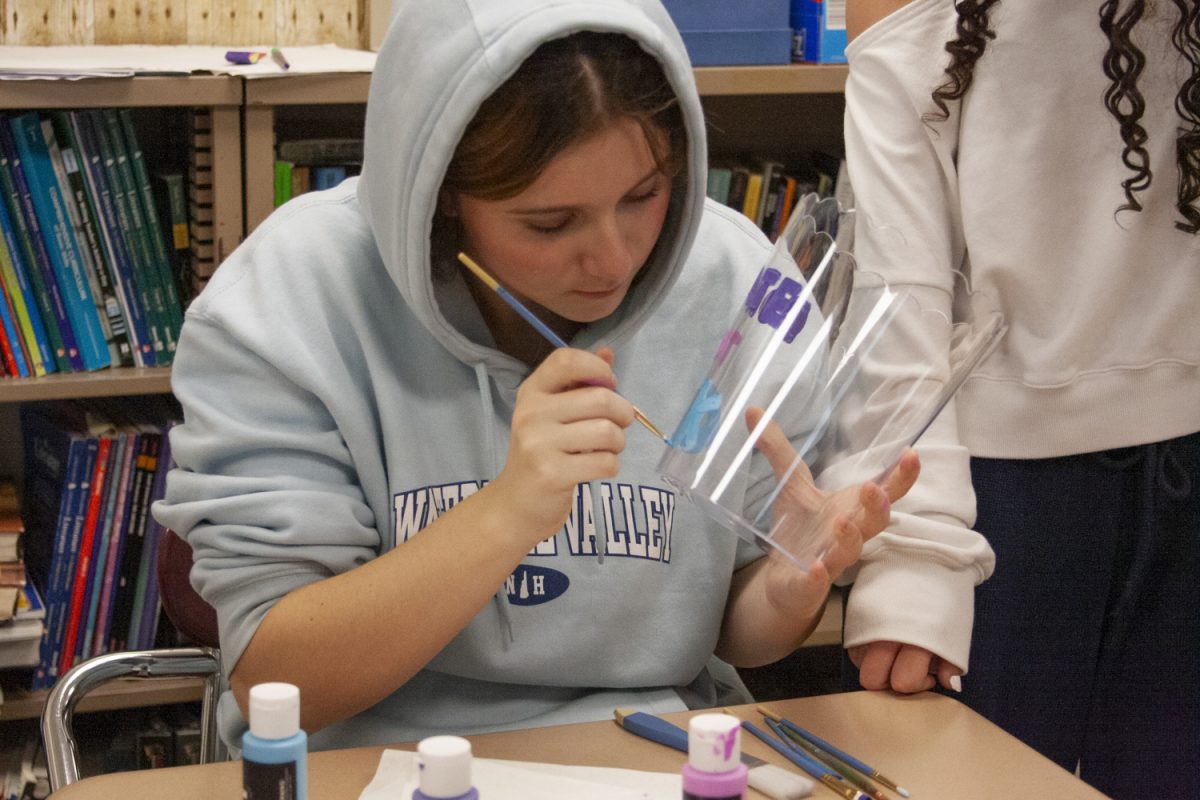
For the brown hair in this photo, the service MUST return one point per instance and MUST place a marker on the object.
(1122, 65)
(568, 89)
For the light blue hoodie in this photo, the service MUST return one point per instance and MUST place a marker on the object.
(338, 398)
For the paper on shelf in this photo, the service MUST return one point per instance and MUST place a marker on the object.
(396, 777)
(73, 62)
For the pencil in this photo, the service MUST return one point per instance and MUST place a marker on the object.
(547, 333)
(277, 57)
(811, 738)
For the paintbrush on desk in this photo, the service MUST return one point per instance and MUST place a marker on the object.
(547, 333)
(832, 755)
(771, 780)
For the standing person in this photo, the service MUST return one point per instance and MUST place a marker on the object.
(1056, 162)
(399, 497)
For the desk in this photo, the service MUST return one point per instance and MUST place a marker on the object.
(933, 745)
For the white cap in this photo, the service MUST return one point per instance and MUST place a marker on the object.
(713, 742)
(444, 766)
(274, 710)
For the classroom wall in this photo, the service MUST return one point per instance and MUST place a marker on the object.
(224, 22)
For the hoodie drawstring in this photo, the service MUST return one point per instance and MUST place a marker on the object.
(489, 434)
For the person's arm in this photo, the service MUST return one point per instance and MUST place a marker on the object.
(910, 612)
(773, 605)
(567, 429)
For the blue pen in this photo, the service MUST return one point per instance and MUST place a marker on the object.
(809, 765)
(542, 328)
(865, 769)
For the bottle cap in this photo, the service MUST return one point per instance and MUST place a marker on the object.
(444, 766)
(713, 743)
(274, 710)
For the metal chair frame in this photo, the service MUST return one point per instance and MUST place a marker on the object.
(62, 750)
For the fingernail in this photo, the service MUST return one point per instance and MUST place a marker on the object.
(956, 683)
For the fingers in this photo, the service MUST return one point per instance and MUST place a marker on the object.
(949, 675)
(875, 671)
(773, 443)
(903, 476)
(910, 672)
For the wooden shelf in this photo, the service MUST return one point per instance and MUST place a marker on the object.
(124, 693)
(176, 91)
(102, 383)
(286, 90)
(769, 79)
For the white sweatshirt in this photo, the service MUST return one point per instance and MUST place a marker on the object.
(1018, 189)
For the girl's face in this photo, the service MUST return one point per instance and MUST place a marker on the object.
(573, 240)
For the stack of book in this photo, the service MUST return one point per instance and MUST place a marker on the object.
(305, 165)
(92, 471)
(86, 275)
(21, 609)
(768, 191)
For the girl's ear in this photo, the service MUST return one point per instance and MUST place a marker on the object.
(447, 204)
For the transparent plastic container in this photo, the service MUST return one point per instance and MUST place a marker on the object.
(852, 370)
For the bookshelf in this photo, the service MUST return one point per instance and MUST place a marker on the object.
(778, 110)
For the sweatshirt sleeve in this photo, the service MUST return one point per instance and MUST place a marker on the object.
(915, 582)
(264, 490)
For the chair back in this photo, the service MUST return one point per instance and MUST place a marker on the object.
(182, 604)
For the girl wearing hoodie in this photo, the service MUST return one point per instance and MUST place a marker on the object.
(398, 496)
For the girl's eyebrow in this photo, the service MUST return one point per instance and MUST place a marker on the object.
(537, 210)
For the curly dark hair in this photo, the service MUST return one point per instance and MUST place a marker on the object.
(1123, 64)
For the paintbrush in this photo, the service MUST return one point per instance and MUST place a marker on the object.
(542, 328)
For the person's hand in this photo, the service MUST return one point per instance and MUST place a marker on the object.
(903, 668)
(568, 428)
(847, 518)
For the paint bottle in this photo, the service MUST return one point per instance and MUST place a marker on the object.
(444, 769)
(274, 750)
(714, 770)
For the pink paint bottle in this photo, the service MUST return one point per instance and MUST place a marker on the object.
(714, 770)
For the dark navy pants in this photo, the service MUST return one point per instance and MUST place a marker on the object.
(1087, 638)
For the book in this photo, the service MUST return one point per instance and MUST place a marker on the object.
(118, 529)
(153, 225)
(718, 183)
(16, 281)
(754, 189)
(283, 182)
(85, 554)
(10, 343)
(19, 204)
(322, 152)
(12, 582)
(112, 238)
(12, 526)
(327, 177)
(59, 459)
(125, 192)
(60, 241)
(135, 536)
(61, 135)
(90, 609)
(152, 605)
(174, 211)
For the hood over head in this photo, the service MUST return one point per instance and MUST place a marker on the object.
(439, 61)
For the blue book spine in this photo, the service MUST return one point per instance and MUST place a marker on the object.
(60, 242)
(31, 305)
(22, 200)
(80, 463)
(113, 240)
(154, 532)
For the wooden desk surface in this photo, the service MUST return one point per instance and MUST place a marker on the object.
(932, 745)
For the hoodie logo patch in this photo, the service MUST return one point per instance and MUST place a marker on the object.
(532, 586)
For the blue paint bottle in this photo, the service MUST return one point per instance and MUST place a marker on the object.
(444, 769)
(714, 770)
(274, 750)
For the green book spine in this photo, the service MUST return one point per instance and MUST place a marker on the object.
(21, 319)
(120, 182)
(283, 182)
(175, 211)
(153, 224)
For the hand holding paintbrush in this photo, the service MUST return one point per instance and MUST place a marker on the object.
(547, 333)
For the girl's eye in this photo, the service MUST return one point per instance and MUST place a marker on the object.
(644, 196)
(549, 227)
